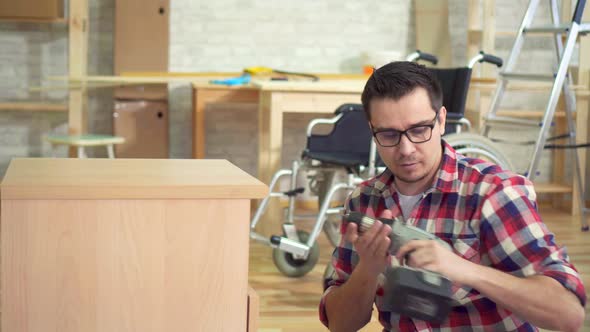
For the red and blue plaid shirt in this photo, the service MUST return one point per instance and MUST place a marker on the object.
(489, 216)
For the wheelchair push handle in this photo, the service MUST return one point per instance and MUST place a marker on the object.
(419, 55)
(484, 57)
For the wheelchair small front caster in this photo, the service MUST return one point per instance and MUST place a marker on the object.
(585, 228)
(292, 267)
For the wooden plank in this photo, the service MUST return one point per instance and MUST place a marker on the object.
(33, 107)
(579, 89)
(329, 76)
(141, 35)
(78, 63)
(432, 29)
(72, 178)
(529, 114)
(339, 86)
(205, 77)
(34, 20)
(552, 187)
(253, 310)
(583, 107)
(488, 44)
(581, 127)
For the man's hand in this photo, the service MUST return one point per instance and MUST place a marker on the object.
(432, 256)
(372, 246)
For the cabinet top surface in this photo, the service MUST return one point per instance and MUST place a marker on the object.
(69, 178)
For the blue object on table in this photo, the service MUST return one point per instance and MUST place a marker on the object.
(244, 79)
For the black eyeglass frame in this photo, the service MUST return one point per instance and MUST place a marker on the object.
(405, 132)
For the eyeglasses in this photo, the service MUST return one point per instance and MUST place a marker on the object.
(417, 134)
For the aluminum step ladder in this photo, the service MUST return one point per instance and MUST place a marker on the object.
(561, 83)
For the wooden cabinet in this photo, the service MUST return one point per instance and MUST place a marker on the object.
(126, 245)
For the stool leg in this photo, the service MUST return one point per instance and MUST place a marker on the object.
(110, 151)
(81, 152)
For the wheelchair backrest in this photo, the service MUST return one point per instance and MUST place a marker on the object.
(349, 142)
(455, 85)
(350, 134)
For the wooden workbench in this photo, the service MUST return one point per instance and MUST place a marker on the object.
(274, 98)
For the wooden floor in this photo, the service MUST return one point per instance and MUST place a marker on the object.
(290, 304)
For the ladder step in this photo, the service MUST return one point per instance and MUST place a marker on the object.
(528, 77)
(528, 114)
(563, 28)
(511, 120)
(548, 188)
(584, 28)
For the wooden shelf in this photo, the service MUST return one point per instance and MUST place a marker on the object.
(529, 114)
(60, 20)
(552, 188)
(33, 107)
(489, 86)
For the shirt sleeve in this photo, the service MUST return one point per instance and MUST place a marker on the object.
(344, 259)
(516, 241)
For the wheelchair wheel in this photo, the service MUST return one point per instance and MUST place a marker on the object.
(292, 267)
(478, 146)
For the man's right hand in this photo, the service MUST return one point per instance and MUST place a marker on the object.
(372, 246)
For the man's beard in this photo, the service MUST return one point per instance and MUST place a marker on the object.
(410, 180)
(402, 178)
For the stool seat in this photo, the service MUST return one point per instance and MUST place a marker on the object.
(81, 141)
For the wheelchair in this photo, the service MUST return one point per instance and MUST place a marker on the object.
(348, 147)
(345, 148)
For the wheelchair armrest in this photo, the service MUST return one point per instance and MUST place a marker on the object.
(316, 122)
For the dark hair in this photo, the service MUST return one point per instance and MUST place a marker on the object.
(398, 79)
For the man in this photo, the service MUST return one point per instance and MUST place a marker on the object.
(507, 272)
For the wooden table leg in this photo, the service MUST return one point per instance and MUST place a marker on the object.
(199, 123)
(270, 117)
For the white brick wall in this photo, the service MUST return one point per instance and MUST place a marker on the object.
(307, 35)
(310, 36)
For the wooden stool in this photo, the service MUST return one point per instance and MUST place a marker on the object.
(82, 141)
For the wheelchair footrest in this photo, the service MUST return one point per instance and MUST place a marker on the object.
(294, 247)
(294, 192)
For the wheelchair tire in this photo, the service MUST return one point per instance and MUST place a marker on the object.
(292, 267)
(478, 146)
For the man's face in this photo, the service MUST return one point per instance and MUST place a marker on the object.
(413, 164)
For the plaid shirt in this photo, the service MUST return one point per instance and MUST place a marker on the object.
(489, 217)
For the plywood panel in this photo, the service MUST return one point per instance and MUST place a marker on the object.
(432, 29)
(141, 35)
